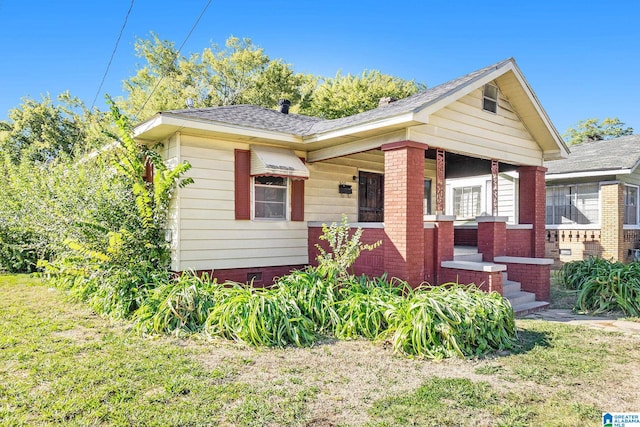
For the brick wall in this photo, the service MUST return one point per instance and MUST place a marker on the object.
(533, 278)
(519, 242)
(492, 239)
(466, 236)
(263, 276)
(370, 263)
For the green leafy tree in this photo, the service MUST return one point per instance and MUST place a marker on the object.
(238, 73)
(343, 96)
(43, 131)
(596, 130)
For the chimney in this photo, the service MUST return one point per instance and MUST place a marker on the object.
(386, 101)
(283, 106)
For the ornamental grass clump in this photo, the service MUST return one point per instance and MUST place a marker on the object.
(181, 305)
(259, 316)
(604, 286)
(450, 320)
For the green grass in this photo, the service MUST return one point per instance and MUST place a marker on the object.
(62, 365)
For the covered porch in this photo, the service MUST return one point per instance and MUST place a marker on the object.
(424, 244)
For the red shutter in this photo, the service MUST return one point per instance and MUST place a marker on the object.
(297, 200)
(243, 184)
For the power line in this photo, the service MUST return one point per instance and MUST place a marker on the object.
(124, 24)
(195, 24)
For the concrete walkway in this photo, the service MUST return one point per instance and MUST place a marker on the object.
(611, 324)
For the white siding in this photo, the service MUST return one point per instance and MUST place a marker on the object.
(322, 201)
(464, 127)
(507, 194)
(210, 236)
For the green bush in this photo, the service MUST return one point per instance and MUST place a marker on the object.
(259, 316)
(450, 320)
(604, 286)
(176, 306)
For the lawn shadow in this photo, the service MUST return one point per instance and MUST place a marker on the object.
(529, 339)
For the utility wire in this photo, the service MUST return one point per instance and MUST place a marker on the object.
(124, 24)
(195, 24)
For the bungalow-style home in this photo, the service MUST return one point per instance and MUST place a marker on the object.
(592, 202)
(266, 181)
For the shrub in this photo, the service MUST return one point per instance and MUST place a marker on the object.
(259, 316)
(450, 320)
(604, 286)
(179, 305)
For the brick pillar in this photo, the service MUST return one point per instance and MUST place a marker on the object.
(611, 234)
(403, 210)
(531, 209)
(492, 236)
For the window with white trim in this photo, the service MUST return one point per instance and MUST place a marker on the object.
(573, 204)
(490, 98)
(270, 197)
(467, 201)
(630, 205)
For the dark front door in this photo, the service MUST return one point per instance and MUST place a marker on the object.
(371, 197)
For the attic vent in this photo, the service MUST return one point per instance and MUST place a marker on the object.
(386, 101)
(490, 98)
(283, 106)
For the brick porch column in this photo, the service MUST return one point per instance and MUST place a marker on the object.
(404, 210)
(492, 236)
(532, 204)
(611, 231)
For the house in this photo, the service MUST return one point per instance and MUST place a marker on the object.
(592, 201)
(266, 181)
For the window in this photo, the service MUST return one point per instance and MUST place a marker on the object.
(573, 204)
(490, 98)
(427, 197)
(630, 205)
(466, 201)
(270, 197)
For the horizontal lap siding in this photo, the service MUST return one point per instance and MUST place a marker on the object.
(211, 238)
(464, 127)
(322, 201)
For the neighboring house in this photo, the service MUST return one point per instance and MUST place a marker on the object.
(266, 181)
(592, 201)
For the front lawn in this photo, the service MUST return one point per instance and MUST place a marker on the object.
(61, 364)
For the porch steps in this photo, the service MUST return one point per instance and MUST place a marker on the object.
(522, 302)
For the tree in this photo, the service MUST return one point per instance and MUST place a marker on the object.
(239, 73)
(343, 96)
(594, 130)
(43, 131)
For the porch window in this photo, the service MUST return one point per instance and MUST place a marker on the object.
(630, 205)
(490, 98)
(573, 204)
(270, 197)
(467, 201)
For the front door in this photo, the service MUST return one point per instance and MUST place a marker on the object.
(371, 197)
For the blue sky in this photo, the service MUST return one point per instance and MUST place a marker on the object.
(580, 57)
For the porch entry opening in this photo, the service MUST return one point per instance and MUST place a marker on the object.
(371, 197)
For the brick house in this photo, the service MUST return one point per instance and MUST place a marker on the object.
(266, 181)
(592, 202)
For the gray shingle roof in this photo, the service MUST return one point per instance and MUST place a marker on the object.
(297, 124)
(613, 154)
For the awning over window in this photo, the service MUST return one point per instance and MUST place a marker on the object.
(276, 162)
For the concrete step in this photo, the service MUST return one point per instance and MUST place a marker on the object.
(520, 297)
(510, 287)
(468, 257)
(530, 307)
